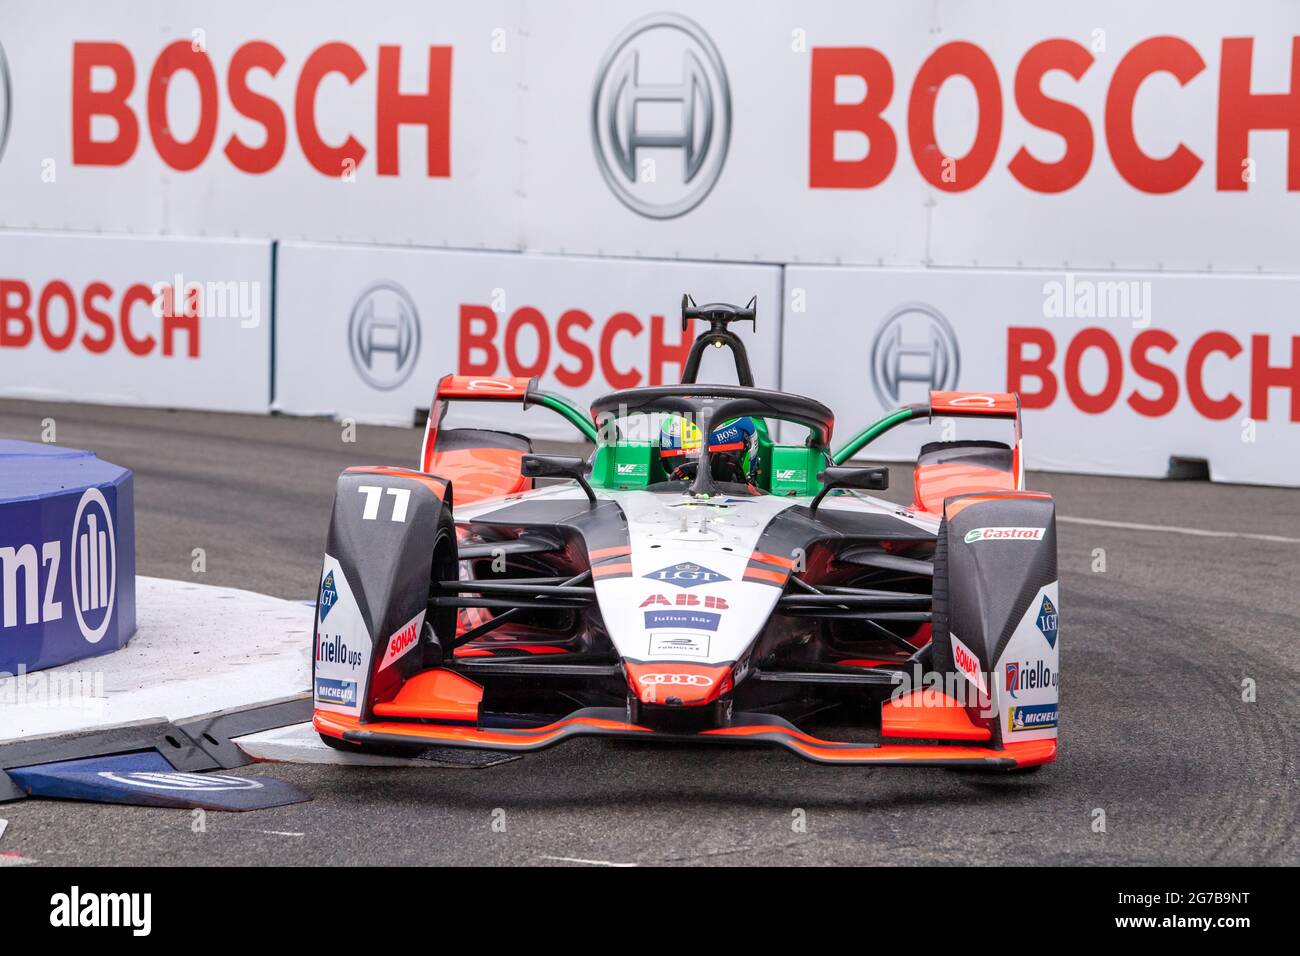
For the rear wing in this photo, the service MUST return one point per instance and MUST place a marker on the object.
(1004, 405)
(478, 388)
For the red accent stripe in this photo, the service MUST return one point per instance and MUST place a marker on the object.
(776, 559)
(611, 570)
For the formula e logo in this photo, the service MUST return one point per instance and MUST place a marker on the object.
(93, 565)
(6, 109)
(329, 595)
(1047, 620)
(661, 116)
(686, 575)
(384, 335)
(916, 344)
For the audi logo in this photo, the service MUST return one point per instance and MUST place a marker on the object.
(680, 680)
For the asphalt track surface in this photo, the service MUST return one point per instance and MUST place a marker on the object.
(1155, 732)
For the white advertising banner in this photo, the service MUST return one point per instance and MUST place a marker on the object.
(330, 120)
(366, 333)
(1109, 135)
(134, 321)
(1117, 372)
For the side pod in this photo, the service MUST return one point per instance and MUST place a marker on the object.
(390, 531)
(996, 607)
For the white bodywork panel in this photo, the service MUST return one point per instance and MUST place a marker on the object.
(687, 598)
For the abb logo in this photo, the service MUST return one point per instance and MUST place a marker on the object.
(1241, 110)
(572, 350)
(1156, 357)
(687, 600)
(393, 109)
(96, 317)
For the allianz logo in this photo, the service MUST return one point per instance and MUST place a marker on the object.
(30, 591)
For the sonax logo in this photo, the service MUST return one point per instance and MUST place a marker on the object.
(407, 637)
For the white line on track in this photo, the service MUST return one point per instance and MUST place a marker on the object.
(574, 859)
(1175, 529)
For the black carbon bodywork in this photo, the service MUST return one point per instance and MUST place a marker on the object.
(387, 562)
(989, 585)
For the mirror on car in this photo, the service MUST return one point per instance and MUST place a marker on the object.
(840, 476)
(557, 466)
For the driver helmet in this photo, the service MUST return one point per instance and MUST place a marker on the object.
(732, 448)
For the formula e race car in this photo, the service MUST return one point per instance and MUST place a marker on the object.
(693, 579)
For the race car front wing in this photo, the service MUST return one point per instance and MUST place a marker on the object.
(744, 729)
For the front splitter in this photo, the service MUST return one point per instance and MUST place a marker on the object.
(747, 729)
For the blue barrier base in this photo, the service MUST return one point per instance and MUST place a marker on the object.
(67, 556)
(147, 779)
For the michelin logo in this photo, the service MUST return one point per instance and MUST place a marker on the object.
(341, 692)
(1034, 717)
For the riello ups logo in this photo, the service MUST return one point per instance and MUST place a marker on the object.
(32, 574)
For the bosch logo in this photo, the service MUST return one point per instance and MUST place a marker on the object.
(93, 565)
(6, 109)
(661, 116)
(679, 680)
(384, 335)
(914, 344)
